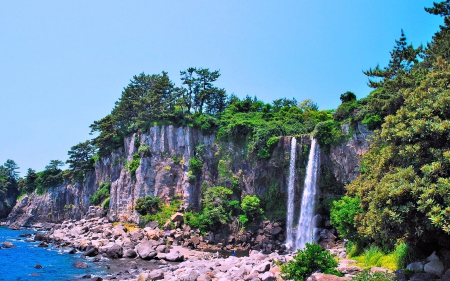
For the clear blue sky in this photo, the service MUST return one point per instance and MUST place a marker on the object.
(63, 64)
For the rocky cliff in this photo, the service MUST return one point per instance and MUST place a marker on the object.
(164, 171)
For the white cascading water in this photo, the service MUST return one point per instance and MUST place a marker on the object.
(305, 225)
(291, 192)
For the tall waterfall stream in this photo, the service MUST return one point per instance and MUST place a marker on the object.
(305, 226)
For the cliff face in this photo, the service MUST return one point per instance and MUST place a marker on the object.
(163, 171)
(346, 157)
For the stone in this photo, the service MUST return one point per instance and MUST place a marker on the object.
(7, 245)
(422, 276)
(156, 275)
(446, 276)
(96, 278)
(415, 266)
(38, 266)
(91, 252)
(177, 217)
(130, 253)
(433, 257)
(325, 277)
(174, 256)
(267, 276)
(317, 220)
(80, 264)
(114, 252)
(435, 267)
(263, 267)
(145, 250)
(276, 230)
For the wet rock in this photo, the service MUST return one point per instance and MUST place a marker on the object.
(80, 264)
(7, 245)
(38, 266)
(435, 267)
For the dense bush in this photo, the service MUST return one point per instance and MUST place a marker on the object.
(148, 205)
(251, 208)
(342, 216)
(164, 213)
(307, 261)
(101, 194)
(195, 165)
(132, 165)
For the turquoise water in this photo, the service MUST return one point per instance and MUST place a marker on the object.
(19, 263)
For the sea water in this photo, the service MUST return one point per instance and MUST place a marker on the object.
(19, 263)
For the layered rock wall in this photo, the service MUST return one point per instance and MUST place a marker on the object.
(163, 171)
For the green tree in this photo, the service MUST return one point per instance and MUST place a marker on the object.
(80, 159)
(406, 173)
(250, 205)
(342, 216)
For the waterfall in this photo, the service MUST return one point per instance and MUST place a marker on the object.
(305, 225)
(291, 193)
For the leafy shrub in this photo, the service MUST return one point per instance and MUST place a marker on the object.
(311, 259)
(251, 207)
(101, 194)
(195, 165)
(177, 159)
(328, 133)
(191, 177)
(367, 275)
(105, 204)
(164, 213)
(144, 150)
(148, 205)
(133, 164)
(343, 214)
(243, 219)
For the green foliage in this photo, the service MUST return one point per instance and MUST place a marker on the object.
(144, 150)
(148, 205)
(273, 202)
(250, 205)
(132, 165)
(101, 194)
(164, 214)
(105, 204)
(406, 179)
(243, 219)
(177, 159)
(81, 160)
(195, 165)
(52, 176)
(307, 261)
(342, 216)
(367, 275)
(327, 133)
(8, 182)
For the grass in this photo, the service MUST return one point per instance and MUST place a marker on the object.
(374, 256)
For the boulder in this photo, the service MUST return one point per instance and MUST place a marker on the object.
(267, 276)
(156, 274)
(415, 266)
(91, 252)
(433, 257)
(423, 276)
(38, 266)
(80, 264)
(7, 245)
(130, 253)
(114, 252)
(174, 256)
(435, 267)
(276, 230)
(177, 217)
(145, 250)
(262, 267)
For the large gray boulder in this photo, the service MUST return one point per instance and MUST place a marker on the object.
(114, 252)
(145, 250)
(435, 267)
(174, 256)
